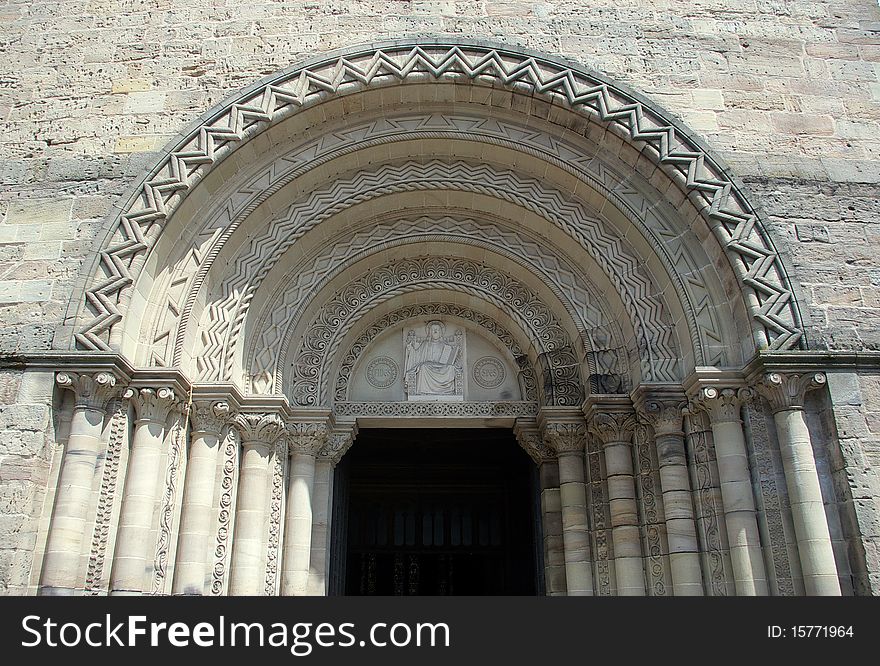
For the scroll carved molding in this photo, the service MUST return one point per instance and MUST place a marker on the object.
(104, 510)
(708, 497)
(276, 510)
(226, 510)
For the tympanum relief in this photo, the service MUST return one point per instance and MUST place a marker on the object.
(435, 359)
(434, 363)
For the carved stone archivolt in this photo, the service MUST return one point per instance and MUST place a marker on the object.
(324, 334)
(647, 313)
(727, 211)
(603, 342)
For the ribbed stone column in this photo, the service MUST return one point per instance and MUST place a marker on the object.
(258, 434)
(664, 414)
(568, 439)
(305, 440)
(614, 424)
(544, 457)
(786, 393)
(132, 559)
(191, 569)
(61, 565)
(747, 560)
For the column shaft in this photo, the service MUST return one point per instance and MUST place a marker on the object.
(807, 506)
(681, 530)
(132, 560)
(746, 557)
(551, 515)
(628, 560)
(575, 537)
(191, 571)
(61, 564)
(249, 539)
(298, 525)
(322, 502)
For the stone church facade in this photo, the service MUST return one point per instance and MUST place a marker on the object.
(240, 239)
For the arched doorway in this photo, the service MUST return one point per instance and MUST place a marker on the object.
(425, 235)
(437, 512)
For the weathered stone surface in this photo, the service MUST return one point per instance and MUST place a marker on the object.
(91, 93)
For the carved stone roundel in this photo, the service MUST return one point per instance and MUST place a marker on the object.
(382, 371)
(489, 372)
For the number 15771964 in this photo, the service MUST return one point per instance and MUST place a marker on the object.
(810, 631)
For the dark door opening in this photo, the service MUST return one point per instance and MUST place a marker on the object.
(435, 512)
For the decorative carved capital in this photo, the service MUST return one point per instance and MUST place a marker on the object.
(151, 404)
(786, 391)
(307, 437)
(210, 417)
(529, 438)
(664, 415)
(566, 436)
(613, 427)
(723, 404)
(256, 427)
(91, 390)
(338, 443)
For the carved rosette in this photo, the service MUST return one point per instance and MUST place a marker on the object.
(613, 427)
(210, 417)
(723, 404)
(566, 437)
(92, 390)
(306, 437)
(664, 415)
(259, 427)
(151, 404)
(786, 391)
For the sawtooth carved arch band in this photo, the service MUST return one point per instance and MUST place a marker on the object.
(703, 180)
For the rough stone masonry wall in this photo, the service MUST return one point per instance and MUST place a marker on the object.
(786, 91)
